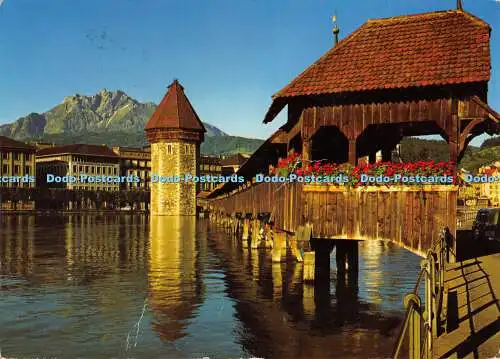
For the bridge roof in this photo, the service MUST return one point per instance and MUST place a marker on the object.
(175, 112)
(430, 49)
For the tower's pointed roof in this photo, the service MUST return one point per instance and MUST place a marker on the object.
(175, 112)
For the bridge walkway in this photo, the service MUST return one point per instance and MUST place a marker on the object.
(471, 303)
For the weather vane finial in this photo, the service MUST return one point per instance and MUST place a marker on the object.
(336, 29)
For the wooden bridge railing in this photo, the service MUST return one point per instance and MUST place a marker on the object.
(411, 216)
(423, 321)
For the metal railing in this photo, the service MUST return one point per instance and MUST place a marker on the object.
(423, 321)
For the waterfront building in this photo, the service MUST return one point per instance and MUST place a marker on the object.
(76, 160)
(231, 164)
(491, 190)
(135, 161)
(16, 159)
(175, 132)
(210, 166)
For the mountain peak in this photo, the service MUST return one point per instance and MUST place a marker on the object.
(105, 111)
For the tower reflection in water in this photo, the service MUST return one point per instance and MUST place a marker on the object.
(174, 280)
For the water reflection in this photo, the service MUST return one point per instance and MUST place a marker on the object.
(175, 288)
(282, 317)
(17, 252)
(76, 286)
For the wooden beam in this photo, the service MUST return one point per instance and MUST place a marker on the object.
(492, 114)
(453, 139)
(296, 129)
(352, 152)
(467, 130)
(306, 149)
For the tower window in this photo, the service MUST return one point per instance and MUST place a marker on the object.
(169, 149)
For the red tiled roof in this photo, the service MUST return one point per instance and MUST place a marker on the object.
(175, 111)
(438, 48)
(82, 149)
(6, 142)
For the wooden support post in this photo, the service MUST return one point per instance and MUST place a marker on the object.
(244, 236)
(303, 233)
(245, 229)
(323, 249)
(294, 248)
(309, 266)
(255, 234)
(306, 149)
(268, 236)
(352, 257)
(352, 152)
(279, 244)
(453, 140)
(341, 259)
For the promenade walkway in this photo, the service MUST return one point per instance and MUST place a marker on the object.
(471, 303)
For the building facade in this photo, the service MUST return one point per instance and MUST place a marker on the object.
(491, 190)
(135, 162)
(17, 170)
(17, 159)
(231, 164)
(210, 166)
(175, 133)
(76, 161)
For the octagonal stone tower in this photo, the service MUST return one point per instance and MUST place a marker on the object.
(175, 133)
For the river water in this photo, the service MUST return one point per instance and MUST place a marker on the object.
(89, 286)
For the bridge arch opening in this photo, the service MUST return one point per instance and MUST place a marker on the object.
(329, 143)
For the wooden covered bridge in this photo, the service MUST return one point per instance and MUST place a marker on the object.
(424, 74)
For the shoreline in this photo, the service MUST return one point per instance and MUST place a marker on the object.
(27, 212)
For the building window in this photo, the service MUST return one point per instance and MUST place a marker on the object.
(16, 156)
(169, 149)
(27, 170)
(5, 155)
(16, 169)
(27, 157)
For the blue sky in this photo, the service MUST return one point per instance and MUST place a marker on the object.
(230, 55)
